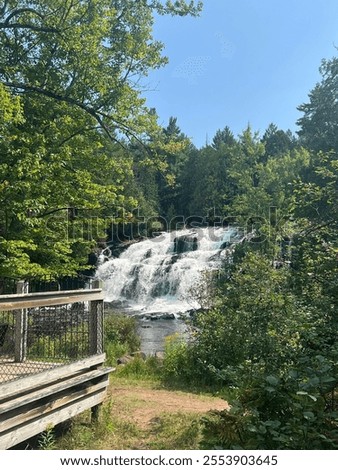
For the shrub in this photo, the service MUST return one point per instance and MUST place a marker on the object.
(178, 363)
(287, 410)
(120, 336)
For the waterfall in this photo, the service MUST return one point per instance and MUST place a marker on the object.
(156, 275)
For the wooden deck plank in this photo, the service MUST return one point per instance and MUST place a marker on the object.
(21, 433)
(24, 400)
(58, 293)
(59, 402)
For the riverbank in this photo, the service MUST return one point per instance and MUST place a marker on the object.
(153, 329)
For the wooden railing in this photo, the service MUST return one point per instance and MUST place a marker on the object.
(44, 390)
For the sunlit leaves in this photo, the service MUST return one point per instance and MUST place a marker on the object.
(70, 97)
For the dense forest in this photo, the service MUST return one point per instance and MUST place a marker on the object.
(84, 163)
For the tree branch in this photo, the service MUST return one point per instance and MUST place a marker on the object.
(52, 211)
(3, 9)
(17, 25)
(97, 115)
(40, 29)
(66, 99)
(18, 11)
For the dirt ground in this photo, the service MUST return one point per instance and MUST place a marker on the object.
(144, 405)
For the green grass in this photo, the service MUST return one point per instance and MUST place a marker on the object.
(167, 431)
(176, 431)
(170, 431)
(107, 433)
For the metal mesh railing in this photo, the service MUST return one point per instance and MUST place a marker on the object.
(58, 333)
(36, 339)
(45, 284)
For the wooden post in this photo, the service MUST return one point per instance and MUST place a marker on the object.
(95, 413)
(96, 336)
(21, 326)
(96, 323)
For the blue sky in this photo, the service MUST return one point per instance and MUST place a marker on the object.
(240, 62)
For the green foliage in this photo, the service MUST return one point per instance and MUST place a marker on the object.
(47, 440)
(119, 328)
(223, 137)
(120, 336)
(67, 96)
(276, 412)
(314, 260)
(149, 368)
(70, 345)
(86, 55)
(177, 365)
(241, 179)
(256, 320)
(319, 123)
(277, 142)
(277, 352)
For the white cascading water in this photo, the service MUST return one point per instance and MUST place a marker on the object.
(157, 275)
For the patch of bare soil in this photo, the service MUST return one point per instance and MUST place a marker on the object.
(144, 405)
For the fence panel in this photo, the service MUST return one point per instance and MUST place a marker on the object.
(45, 331)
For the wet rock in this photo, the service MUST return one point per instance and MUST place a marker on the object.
(168, 316)
(139, 354)
(124, 360)
(159, 355)
(185, 243)
(160, 316)
(127, 358)
(154, 317)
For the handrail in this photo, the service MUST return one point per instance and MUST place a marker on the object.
(45, 299)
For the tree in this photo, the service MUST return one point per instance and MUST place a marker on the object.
(203, 182)
(316, 241)
(87, 54)
(204, 179)
(277, 142)
(71, 69)
(319, 123)
(251, 319)
(242, 173)
(54, 193)
(223, 137)
(175, 154)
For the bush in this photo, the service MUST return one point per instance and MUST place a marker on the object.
(178, 364)
(120, 336)
(139, 368)
(286, 410)
(121, 329)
